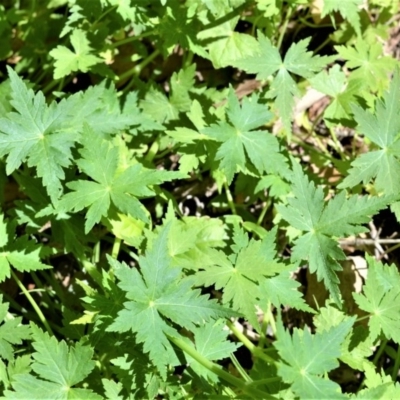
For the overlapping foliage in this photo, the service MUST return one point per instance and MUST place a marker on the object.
(166, 201)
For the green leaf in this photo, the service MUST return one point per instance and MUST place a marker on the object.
(380, 298)
(11, 332)
(226, 45)
(58, 367)
(382, 128)
(357, 346)
(193, 242)
(237, 136)
(379, 385)
(100, 107)
(369, 63)
(349, 10)
(112, 389)
(109, 185)
(322, 223)
(157, 294)
(181, 83)
(283, 290)
(240, 275)
(21, 253)
(305, 357)
(34, 134)
(343, 93)
(156, 105)
(211, 342)
(267, 61)
(67, 61)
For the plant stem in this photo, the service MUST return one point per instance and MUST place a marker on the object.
(152, 151)
(395, 371)
(116, 247)
(230, 198)
(132, 39)
(262, 214)
(216, 369)
(240, 369)
(102, 16)
(33, 303)
(257, 352)
(380, 351)
(139, 67)
(96, 253)
(284, 27)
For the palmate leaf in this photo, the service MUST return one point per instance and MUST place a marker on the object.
(100, 162)
(323, 222)
(348, 9)
(368, 63)
(58, 368)
(211, 342)
(238, 136)
(157, 294)
(193, 241)
(267, 61)
(381, 299)
(43, 135)
(11, 332)
(224, 45)
(282, 290)
(100, 107)
(67, 61)
(381, 127)
(34, 133)
(21, 253)
(305, 357)
(343, 93)
(356, 347)
(240, 274)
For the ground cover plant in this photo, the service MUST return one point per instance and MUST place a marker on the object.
(200, 199)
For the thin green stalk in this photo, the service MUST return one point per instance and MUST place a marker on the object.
(265, 381)
(132, 38)
(312, 25)
(230, 198)
(96, 253)
(225, 18)
(116, 247)
(268, 319)
(188, 59)
(395, 371)
(380, 351)
(50, 86)
(325, 153)
(338, 147)
(240, 369)
(102, 16)
(55, 284)
(216, 369)
(271, 319)
(139, 67)
(163, 153)
(33, 303)
(262, 214)
(322, 45)
(152, 151)
(61, 84)
(284, 27)
(56, 82)
(46, 296)
(256, 351)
